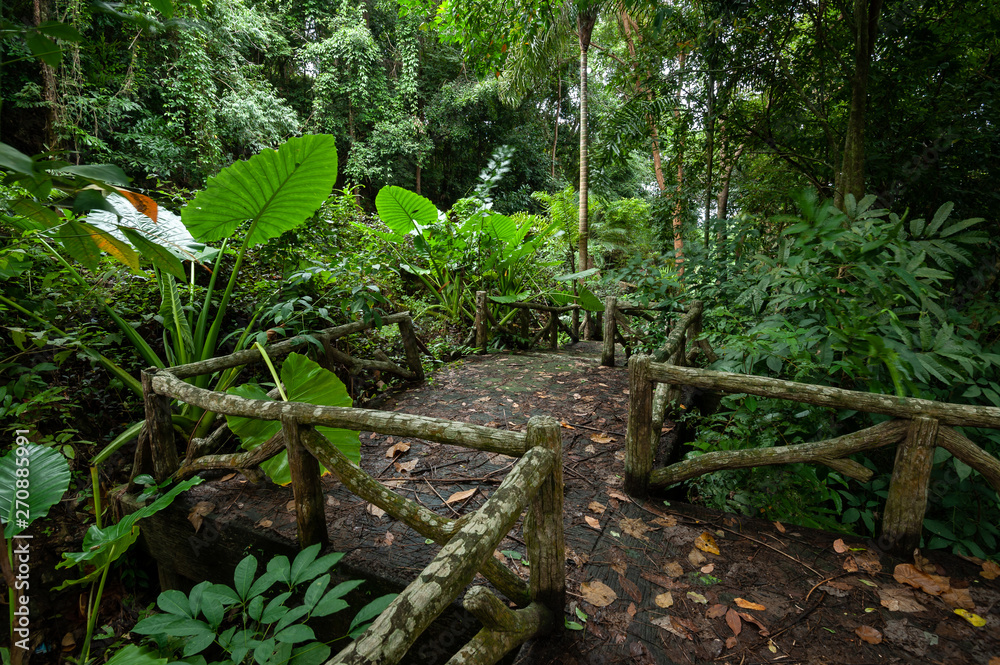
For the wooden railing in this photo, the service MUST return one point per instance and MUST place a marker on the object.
(534, 484)
(486, 323)
(920, 425)
(616, 328)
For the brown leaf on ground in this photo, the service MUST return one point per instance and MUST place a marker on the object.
(706, 543)
(922, 563)
(603, 437)
(631, 611)
(747, 605)
(290, 506)
(667, 522)
(696, 558)
(405, 467)
(615, 494)
(68, 642)
(200, 510)
(868, 634)
(592, 522)
(673, 569)
(397, 449)
(635, 527)
(709, 569)
(900, 600)
(263, 523)
(375, 511)
(662, 581)
(990, 571)
(764, 632)
(733, 621)
(731, 642)
(386, 540)
(597, 507)
(959, 598)
(994, 661)
(697, 597)
(461, 496)
(868, 561)
(839, 546)
(598, 593)
(664, 599)
(851, 565)
(577, 559)
(228, 476)
(935, 585)
(716, 611)
(670, 624)
(630, 587)
(779, 526)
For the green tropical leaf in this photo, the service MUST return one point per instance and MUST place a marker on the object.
(589, 301)
(46, 474)
(372, 610)
(939, 217)
(175, 319)
(277, 190)
(403, 211)
(305, 381)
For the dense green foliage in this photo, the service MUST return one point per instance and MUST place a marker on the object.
(819, 173)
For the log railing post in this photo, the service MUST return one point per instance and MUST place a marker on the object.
(310, 518)
(481, 321)
(554, 330)
(411, 348)
(159, 429)
(638, 452)
(610, 328)
(907, 502)
(543, 524)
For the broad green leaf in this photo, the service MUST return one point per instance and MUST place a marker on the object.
(175, 602)
(590, 302)
(114, 247)
(404, 211)
(12, 159)
(159, 256)
(276, 189)
(939, 217)
(134, 655)
(313, 653)
(297, 633)
(372, 610)
(305, 381)
(60, 30)
(44, 49)
(960, 226)
(165, 7)
(47, 475)
(243, 575)
(104, 173)
(77, 242)
(276, 608)
(576, 275)
(175, 320)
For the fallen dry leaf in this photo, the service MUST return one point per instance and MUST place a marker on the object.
(263, 523)
(731, 642)
(68, 642)
(696, 558)
(635, 527)
(673, 569)
(375, 511)
(971, 617)
(615, 494)
(664, 599)
(959, 598)
(199, 511)
(922, 563)
(994, 661)
(990, 571)
(228, 476)
(706, 543)
(386, 540)
(397, 449)
(461, 496)
(754, 620)
(405, 467)
(716, 611)
(779, 526)
(869, 634)
(598, 593)
(592, 522)
(747, 605)
(709, 569)
(733, 621)
(603, 437)
(900, 600)
(669, 521)
(868, 561)
(598, 508)
(671, 625)
(935, 585)
(566, 424)
(630, 587)
(697, 597)
(290, 505)
(851, 565)
(839, 546)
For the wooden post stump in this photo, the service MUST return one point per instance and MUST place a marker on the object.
(159, 429)
(554, 330)
(310, 518)
(638, 453)
(543, 525)
(904, 509)
(481, 322)
(411, 348)
(608, 350)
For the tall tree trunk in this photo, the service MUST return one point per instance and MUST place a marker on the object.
(710, 152)
(679, 203)
(851, 179)
(585, 27)
(49, 95)
(555, 130)
(628, 26)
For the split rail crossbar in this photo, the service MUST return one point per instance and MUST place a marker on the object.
(919, 426)
(486, 323)
(616, 326)
(535, 484)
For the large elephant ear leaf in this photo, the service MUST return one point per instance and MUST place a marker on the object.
(403, 211)
(277, 190)
(307, 382)
(49, 474)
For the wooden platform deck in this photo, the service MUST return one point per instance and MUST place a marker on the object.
(666, 602)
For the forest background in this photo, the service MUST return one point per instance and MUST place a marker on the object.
(820, 172)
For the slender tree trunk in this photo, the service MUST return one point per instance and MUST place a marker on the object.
(851, 179)
(555, 130)
(49, 95)
(679, 203)
(710, 153)
(628, 26)
(585, 26)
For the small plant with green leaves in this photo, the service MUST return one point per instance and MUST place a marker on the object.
(259, 619)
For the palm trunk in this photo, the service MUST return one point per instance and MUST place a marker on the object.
(679, 204)
(585, 25)
(555, 129)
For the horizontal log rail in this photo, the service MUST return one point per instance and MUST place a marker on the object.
(535, 483)
(922, 425)
(486, 323)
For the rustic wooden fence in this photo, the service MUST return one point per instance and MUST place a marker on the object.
(487, 325)
(534, 484)
(616, 327)
(919, 426)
